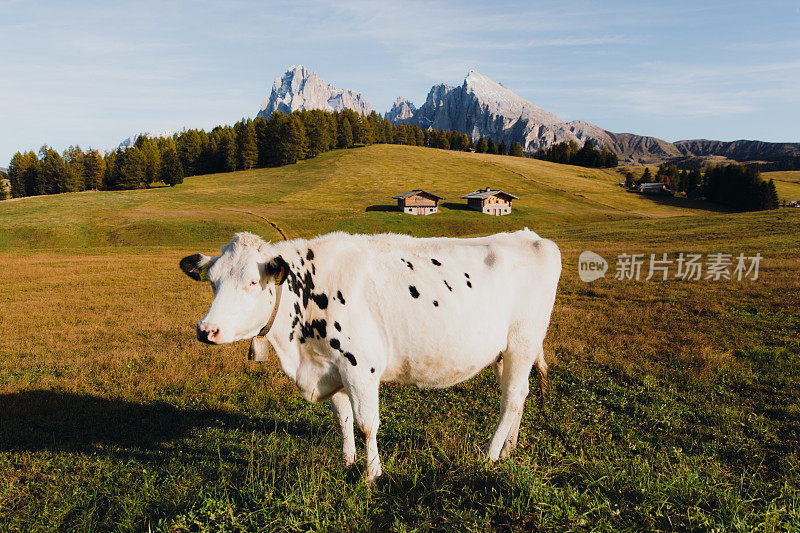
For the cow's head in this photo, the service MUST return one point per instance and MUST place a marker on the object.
(243, 279)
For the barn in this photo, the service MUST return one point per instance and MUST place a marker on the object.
(490, 201)
(418, 202)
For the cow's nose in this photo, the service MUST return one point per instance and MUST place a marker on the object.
(207, 333)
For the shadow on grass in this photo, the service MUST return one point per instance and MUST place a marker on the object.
(382, 208)
(677, 201)
(455, 206)
(61, 421)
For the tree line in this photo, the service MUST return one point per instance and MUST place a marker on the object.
(570, 153)
(281, 139)
(737, 186)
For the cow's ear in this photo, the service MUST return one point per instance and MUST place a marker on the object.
(196, 266)
(277, 268)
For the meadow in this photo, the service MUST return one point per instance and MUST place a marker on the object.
(673, 404)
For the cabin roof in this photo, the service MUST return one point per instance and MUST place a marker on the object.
(416, 191)
(487, 192)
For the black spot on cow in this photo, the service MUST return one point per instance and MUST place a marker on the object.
(409, 265)
(337, 326)
(449, 288)
(499, 358)
(313, 269)
(435, 262)
(291, 336)
(435, 303)
(467, 275)
(413, 290)
(315, 327)
(372, 370)
(340, 297)
(310, 254)
(351, 358)
(321, 300)
(302, 263)
(469, 284)
(297, 308)
(335, 344)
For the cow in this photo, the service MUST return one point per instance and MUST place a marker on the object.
(346, 312)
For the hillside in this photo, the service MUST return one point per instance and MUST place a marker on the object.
(343, 189)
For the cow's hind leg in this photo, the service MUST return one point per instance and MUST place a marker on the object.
(515, 371)
(513, 433)
(343, 411)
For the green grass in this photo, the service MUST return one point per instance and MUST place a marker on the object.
(787, 183)
(674, 405)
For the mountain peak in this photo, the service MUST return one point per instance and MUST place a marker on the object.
(401, 110)
(501, 100)
(299, 88)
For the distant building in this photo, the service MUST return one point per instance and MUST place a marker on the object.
(418, 202)
(654, 188)
(490, 201)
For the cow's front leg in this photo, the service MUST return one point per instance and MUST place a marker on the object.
(343, 411)
(364, 400)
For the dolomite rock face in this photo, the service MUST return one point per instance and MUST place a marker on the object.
(401, 110)
(481, 107)
(299, 88)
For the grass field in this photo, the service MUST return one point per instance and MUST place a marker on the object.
(787, 183)
(674, 405)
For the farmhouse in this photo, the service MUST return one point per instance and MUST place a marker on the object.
(418, 202)
(490, 202)
(653, 188)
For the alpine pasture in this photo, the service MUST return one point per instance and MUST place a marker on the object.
(673, 404)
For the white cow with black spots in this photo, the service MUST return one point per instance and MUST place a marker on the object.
(346, 312)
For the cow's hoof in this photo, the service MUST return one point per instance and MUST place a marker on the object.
(349, 460)
(506, 451)
(488, 455)
(372, 478)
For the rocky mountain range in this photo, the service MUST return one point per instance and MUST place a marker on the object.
(481, 107)
(299, 88)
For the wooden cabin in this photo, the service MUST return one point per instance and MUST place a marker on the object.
(490, 201)
(418, 202)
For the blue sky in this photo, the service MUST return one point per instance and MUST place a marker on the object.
(92, 73)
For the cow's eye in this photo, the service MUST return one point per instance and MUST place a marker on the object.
(254, 283)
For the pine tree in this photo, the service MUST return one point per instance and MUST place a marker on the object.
(345, 134)
(646, 177)
(773, 202)
(516, 150)
(246, 144)
(152, 156)
(171, 171)
(228, 157)
(490, 147)
(481, 146)
(74, 157)
(502, 148)
(292, 144)
(55, 173)
(19, 171)
(94, 168)
(189, 147)
(317, 131)
(131, 169)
